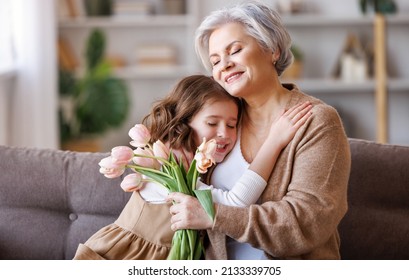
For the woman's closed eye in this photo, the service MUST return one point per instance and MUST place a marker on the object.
(234, 51)
(214, 63)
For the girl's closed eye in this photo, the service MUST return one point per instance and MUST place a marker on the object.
(232, 126)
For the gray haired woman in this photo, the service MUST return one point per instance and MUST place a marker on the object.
(247, 48)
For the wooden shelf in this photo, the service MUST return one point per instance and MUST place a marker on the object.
(309, 20)
(398, 84)
(319, 20)
(122, 21)
(135, 72)
(397, 19)
(332, 86)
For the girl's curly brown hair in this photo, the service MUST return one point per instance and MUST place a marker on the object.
(169, 118)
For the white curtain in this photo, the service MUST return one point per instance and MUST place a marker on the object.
(34, 121)
(6, 68)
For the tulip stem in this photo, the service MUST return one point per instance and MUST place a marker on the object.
(157, 158)
(139, 167)
(156, 182)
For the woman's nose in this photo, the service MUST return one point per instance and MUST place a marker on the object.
(226, 64)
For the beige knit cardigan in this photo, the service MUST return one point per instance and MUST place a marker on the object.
(305, 198)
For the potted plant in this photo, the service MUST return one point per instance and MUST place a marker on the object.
(93, 103)
(378, 6)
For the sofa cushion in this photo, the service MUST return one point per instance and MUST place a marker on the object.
(376, 225)
(51, 200)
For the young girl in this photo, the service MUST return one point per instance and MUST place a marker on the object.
(198, 107)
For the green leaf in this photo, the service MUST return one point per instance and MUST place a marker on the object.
(167, 169)
(192, 175)
(181, 182)
(184, 245)
(192, 241)
(206, 200)
(172, 157)
(95, 49)
(174, 253)
(161, 179)
(182, 169)
(199, 249)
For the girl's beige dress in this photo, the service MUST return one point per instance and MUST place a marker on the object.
(141, 232)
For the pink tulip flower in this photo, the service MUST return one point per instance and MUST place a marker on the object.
(208, 148)
(132, 182)
(140, 135)
(143, 161)
(202, 162)
(110, 169)
(122, 154)
(205, 155)
(160, 150)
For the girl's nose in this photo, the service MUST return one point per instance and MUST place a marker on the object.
(221, 132)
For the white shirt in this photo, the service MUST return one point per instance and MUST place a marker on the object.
(225, 176)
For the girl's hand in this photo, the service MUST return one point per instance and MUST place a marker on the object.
(187, 213)
(284, 128)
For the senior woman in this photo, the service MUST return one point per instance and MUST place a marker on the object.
(247, 48)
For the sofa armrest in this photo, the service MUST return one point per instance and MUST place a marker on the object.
(52, 200)
(376, 225)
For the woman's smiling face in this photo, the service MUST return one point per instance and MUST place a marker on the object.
(239, 62)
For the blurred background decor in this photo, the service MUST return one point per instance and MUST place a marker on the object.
(98, 7)
(174, 7)
(290, 6)
(294, 71)
(378, 6)
(92, 104)
(353, 62)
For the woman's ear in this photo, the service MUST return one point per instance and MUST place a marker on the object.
(275, 56)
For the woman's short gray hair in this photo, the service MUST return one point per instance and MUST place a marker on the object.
(260, 22)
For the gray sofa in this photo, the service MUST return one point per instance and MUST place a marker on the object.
(51, 200)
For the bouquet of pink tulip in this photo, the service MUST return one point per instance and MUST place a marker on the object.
(155, 162)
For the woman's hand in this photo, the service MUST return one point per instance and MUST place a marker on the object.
(187, 213)
(285, 127)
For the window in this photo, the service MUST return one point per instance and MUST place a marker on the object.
(6, 39)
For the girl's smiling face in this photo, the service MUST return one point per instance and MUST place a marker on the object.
(217, 120)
